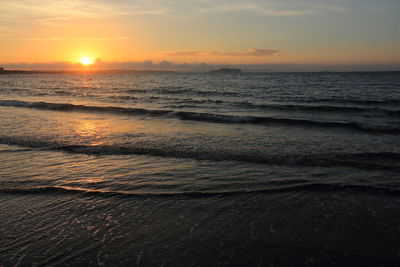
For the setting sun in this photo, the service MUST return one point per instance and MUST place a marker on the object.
(86, 61)
(200, 132)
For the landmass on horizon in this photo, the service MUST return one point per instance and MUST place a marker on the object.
(226, 71)
(84, 71)
(170, 67)
(111, 71)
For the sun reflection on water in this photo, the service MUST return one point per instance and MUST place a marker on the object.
(90, 130)
(87, 129)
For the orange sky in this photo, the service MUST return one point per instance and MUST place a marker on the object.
(225, 32)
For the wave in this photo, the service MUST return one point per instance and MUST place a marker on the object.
(178, 90)
(135, 90)
(193, 103)
(318, 108)
(245, 93)
(303, 187)
(356, 101)
(73, 107)
(205, 117)
(123, 97)
(386, 161)
(62, 92)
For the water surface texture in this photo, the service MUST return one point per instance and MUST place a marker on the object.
(253, 169)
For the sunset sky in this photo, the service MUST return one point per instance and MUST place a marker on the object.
(193, 31)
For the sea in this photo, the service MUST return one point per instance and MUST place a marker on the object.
(200, 169)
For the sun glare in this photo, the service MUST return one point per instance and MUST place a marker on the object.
(86, 61)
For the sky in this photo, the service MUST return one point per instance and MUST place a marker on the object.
(165, 33)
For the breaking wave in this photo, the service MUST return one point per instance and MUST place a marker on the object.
(307, 186)
(386, 161)
(206, 117)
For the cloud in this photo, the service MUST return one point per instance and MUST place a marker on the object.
(253, 52)
(50, 11)
(282, 8)
(259, 8)
(204, 67)
(185, 54)
(261, 52)
(323, 50)
(55, 39)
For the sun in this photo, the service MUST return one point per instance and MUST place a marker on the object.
(86, 61)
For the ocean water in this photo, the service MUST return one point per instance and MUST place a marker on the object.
(252, 169)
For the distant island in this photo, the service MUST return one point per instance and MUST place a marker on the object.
(226, 71)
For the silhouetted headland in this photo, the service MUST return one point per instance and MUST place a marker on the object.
(226, 71)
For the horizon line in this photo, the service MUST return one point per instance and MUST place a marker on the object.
(127, 70)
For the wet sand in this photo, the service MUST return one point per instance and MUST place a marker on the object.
(341, 228)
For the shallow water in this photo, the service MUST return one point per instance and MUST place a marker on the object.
(199, 169)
